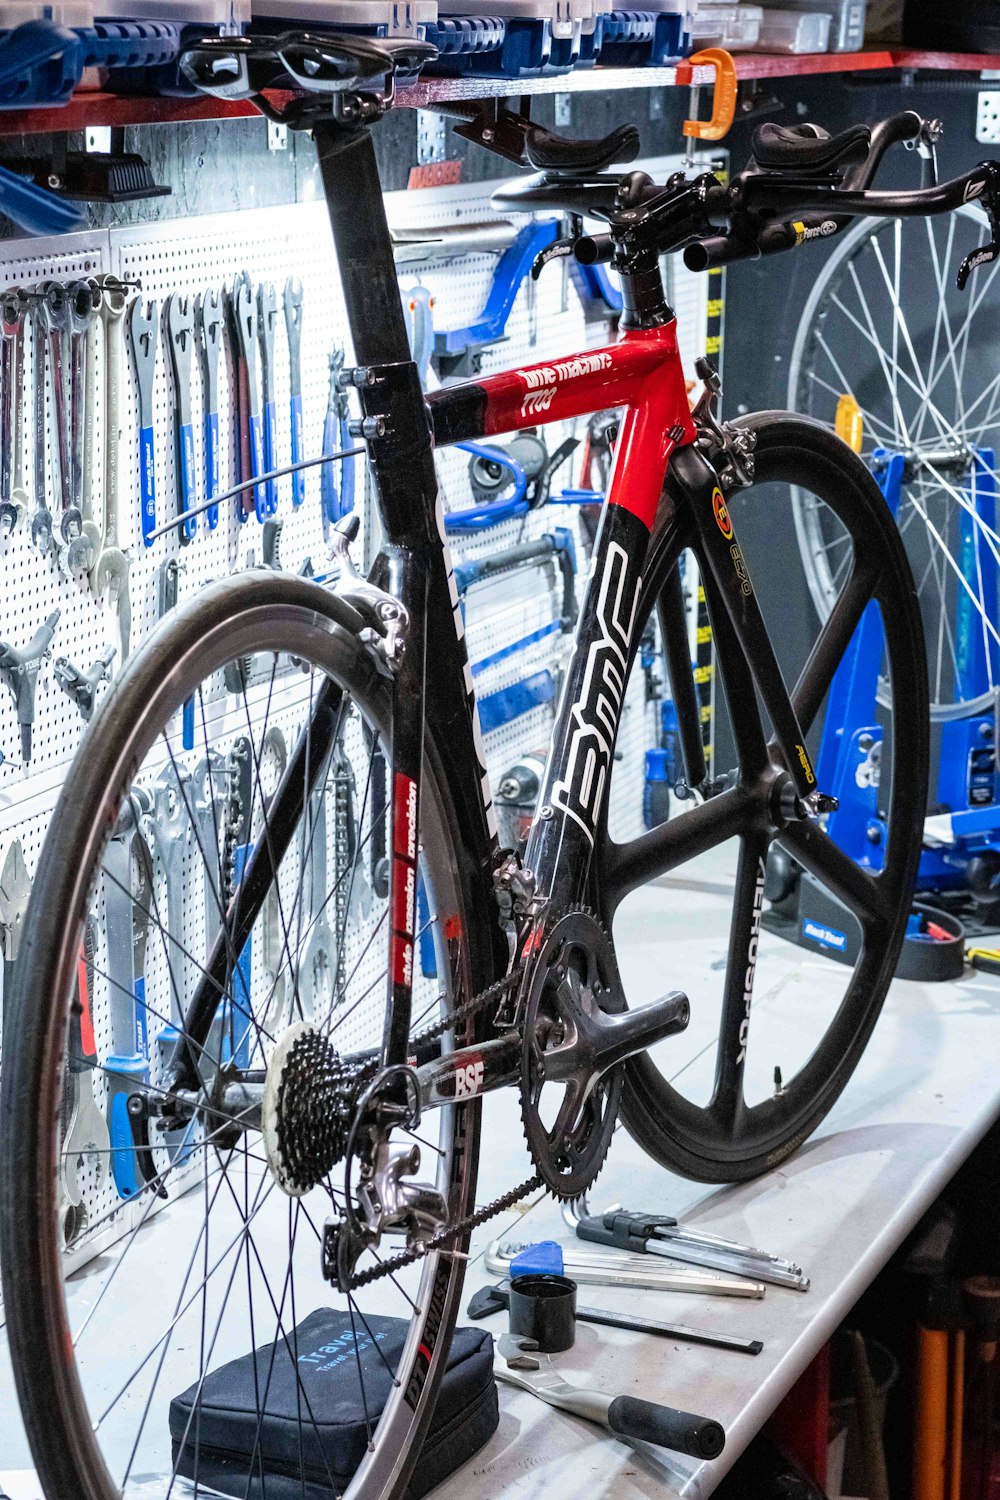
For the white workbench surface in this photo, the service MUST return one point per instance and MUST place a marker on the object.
(926, 1091)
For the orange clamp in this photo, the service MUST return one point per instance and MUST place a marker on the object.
(723, 98)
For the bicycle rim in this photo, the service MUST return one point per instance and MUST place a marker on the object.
(885, 327)
(235, 1263)
(669, 894)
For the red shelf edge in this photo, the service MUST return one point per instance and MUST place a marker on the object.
(87, 109)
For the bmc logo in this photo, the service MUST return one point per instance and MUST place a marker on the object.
(469, 1080)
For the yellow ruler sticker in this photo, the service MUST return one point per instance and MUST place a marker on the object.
(849, 424)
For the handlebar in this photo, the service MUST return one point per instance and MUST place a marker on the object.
(770, 211)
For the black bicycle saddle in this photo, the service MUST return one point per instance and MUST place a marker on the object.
(305, 61)
(808, 147)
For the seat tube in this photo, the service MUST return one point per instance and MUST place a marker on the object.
(397, 433)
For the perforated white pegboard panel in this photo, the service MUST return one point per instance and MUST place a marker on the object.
(188, 257)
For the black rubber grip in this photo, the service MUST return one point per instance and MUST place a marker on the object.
(719, 250)
(544, 149)
(665, 1425)
(594, 249)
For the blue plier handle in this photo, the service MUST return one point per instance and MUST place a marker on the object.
(336, 479)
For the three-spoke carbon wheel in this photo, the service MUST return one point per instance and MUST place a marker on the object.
(191, 1254)
(775, 1032)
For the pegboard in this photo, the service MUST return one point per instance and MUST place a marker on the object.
(188, 257)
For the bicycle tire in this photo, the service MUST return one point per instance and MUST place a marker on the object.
(255, 612)
(668, 1126)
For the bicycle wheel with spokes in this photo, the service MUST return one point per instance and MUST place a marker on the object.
(685, 901)
(135, 1273)
(886, 329)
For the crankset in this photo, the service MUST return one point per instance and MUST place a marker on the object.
(576, 1034)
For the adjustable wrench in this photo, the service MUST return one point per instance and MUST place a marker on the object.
(41, 520)
(85, 1130)
(143, 326)
(128, 888)
(208, 323)
(245, 318)
(267, 315)
(15, 889)
(78, 551)
(111, 569)
(180, 344)
(293, 330)
(11, 380)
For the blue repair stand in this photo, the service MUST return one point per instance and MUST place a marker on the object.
(848, 764)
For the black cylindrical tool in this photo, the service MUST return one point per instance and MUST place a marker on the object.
(543, 1308)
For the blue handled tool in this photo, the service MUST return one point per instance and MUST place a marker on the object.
(180, 346)
(293, 331)
(336, 491)
(479, 517)
(267, 313)
(143, 328)
(208, 323)
(457, 351)
(128, 887)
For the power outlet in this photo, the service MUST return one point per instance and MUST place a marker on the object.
(988, 116)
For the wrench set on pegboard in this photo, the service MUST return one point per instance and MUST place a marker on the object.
(144, 373)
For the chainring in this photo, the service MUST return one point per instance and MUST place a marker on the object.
(574, 971)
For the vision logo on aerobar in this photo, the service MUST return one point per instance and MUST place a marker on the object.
(595, 714)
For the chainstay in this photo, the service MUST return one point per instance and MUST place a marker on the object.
(445, 1236)
(492, 995)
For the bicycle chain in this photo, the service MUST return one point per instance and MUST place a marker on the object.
(494, 993)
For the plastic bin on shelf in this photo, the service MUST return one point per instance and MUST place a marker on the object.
(539, 37)
(793, 31)
(47, 49)
(655, 35)
(735, 27)
(376, 18)
(847, 28)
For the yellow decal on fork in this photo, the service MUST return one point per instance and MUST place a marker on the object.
(806, 764)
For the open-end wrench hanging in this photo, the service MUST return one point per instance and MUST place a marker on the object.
(41, 517)
(143, 327)
(12, 307)
(245, 318)
(128, 889)
(110, 572)
(179, 322)
(57, 322)
(93, 528)
(267, 316)
(208, 326)
(77, 552)
(293, 331)
(168, 576)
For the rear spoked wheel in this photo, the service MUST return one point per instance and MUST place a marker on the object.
(766, 1056)
(203, 1244)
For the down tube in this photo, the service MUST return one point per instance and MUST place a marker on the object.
(561, 841)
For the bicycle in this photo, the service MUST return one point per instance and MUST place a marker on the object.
(308, 1034)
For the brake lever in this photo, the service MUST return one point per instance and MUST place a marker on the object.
(987, 190)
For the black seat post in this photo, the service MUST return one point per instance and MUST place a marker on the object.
(364, 246)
